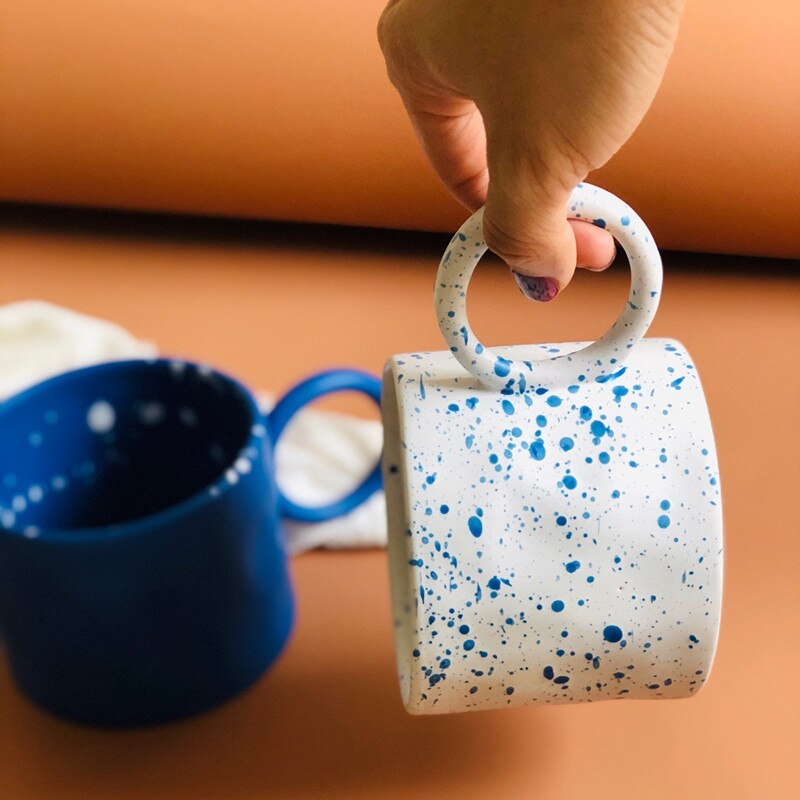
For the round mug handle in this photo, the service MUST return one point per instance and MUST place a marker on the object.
(312, 388)
(588, 203)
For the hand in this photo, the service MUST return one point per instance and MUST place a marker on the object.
(535, 94)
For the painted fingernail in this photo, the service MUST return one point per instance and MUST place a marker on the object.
(540, 289)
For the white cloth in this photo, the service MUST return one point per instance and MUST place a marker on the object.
(39, 340)
(320, 456)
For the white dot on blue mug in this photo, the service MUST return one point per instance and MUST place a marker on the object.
(151, 413)
(101, 417)
(242, 465)
(188, 417)
(35, 493)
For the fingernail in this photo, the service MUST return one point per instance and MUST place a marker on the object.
(540, 289)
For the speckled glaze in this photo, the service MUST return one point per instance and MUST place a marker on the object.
(555, 529)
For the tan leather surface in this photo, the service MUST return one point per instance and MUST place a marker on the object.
(282, 110)
(271, 305)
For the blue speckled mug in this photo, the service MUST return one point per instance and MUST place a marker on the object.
(555, 529)
(142, 572)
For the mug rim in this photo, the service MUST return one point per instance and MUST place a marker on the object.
(148, 522)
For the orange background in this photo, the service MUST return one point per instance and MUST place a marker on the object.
(272, 303)
(282, 110)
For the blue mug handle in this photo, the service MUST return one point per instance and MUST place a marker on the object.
(312, 388)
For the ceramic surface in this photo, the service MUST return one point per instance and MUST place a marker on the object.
(555, 528)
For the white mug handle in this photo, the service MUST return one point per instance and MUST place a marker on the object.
(594, 361)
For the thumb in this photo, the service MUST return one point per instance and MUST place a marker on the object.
(528, 229)
(525, 220)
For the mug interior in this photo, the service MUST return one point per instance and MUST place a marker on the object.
(110, 444)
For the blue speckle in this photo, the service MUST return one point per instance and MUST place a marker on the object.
(663, 521)
(557, 605)
(601, 223)
(612, 633)
(471, 402)
(421, 388)
(562, 679)
(561, 521)
(548, 673)
(469, 644)
(502, 366)
(430, 479)
(509, 690)
(604, 457)
(586, 413)
(572, 566)
(619, 392)
(611, 376)
(598, 428)
(537, 450)
(567, 443)
(569, 481)
(554, 401)
(444, 509)
(541, 420)
(676, 384)
(463, 629)
(508, 407)
(475, 526)
(452, 407)
(494, 583)
(625, 221)
(664, 505)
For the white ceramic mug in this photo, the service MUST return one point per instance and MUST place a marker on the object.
(555, 529)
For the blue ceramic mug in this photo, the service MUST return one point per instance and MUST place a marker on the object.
(142, 573)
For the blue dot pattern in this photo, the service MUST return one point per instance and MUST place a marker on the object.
(553, 573)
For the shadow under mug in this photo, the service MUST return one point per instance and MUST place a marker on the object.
(142, 573)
